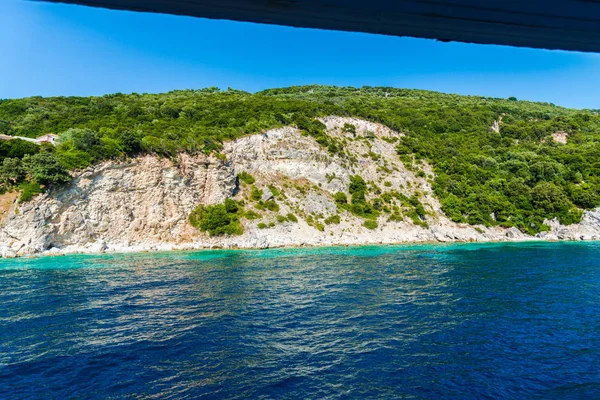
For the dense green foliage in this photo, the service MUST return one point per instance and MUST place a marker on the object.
(516, 177)
(219, 219)
(26, 165)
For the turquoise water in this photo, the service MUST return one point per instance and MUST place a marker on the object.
(428, 321)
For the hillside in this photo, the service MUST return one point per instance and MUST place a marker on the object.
(417, 158)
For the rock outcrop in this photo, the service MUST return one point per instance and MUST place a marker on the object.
(143, 204)
(561, 137)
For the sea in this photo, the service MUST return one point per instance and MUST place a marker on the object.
(456, 321)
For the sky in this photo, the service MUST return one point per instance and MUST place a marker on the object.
(63, 50)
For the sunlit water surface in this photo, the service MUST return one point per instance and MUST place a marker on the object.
(458, 321)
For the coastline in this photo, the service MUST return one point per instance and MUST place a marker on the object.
(174, 249)
(143, 204)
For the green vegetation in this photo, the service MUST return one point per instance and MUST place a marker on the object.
(370, 224)
(334, 219)
(396, 216)
(274, 191)
(246, 178)
(349, 128)
(270, 205)
(292, 218)
(255, 194)
(359, 205)
(45, 168)
(517, 177)
(219, 219)
(30, 169)
(341, 198)
(29, 190)
(251, 215)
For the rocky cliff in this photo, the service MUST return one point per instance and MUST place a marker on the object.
(144, 203)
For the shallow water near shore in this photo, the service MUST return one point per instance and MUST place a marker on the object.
(510, 320)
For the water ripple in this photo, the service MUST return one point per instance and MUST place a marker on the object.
(459, 321)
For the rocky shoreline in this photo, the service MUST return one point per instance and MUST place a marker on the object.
(101, 247)
(143, 204)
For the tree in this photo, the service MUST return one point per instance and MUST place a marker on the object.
(548, 197)
(585, 196)
(17, 148)
(86, 139)
(452, 207)
(130, 143)
(11, 171)
(45, 168)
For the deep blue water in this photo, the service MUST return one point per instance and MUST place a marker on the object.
(429, 322)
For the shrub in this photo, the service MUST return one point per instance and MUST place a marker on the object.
(255, 194)
(419, 209)
(370, 224)
(585, 196)
(74, 158)
(271, 205)
(341, 198)
(550, 198)
(274, 190)
(219, 219)
(261, 225)
(246, 178)
(130, 143)
(334, 219)
(357, 189)
(11, 171)
(357, 185)
(292, 218)
(29, 190)
(349, 128)
(251, 215)
(45, 168)
(451, 206)
(396, 217)
(281, 219)
(231, 206)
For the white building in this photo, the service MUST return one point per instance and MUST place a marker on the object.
(47, 138)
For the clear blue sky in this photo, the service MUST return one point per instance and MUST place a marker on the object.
(50, 49)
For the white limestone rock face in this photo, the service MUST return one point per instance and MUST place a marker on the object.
(587, 229)
(144, 203)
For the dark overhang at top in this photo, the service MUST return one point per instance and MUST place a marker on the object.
(558, 24)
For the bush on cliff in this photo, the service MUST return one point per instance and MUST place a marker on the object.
(246, 178)
(45, 168)
(219, 219)
(29, 190)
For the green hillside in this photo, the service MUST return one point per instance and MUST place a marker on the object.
(516, 177)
